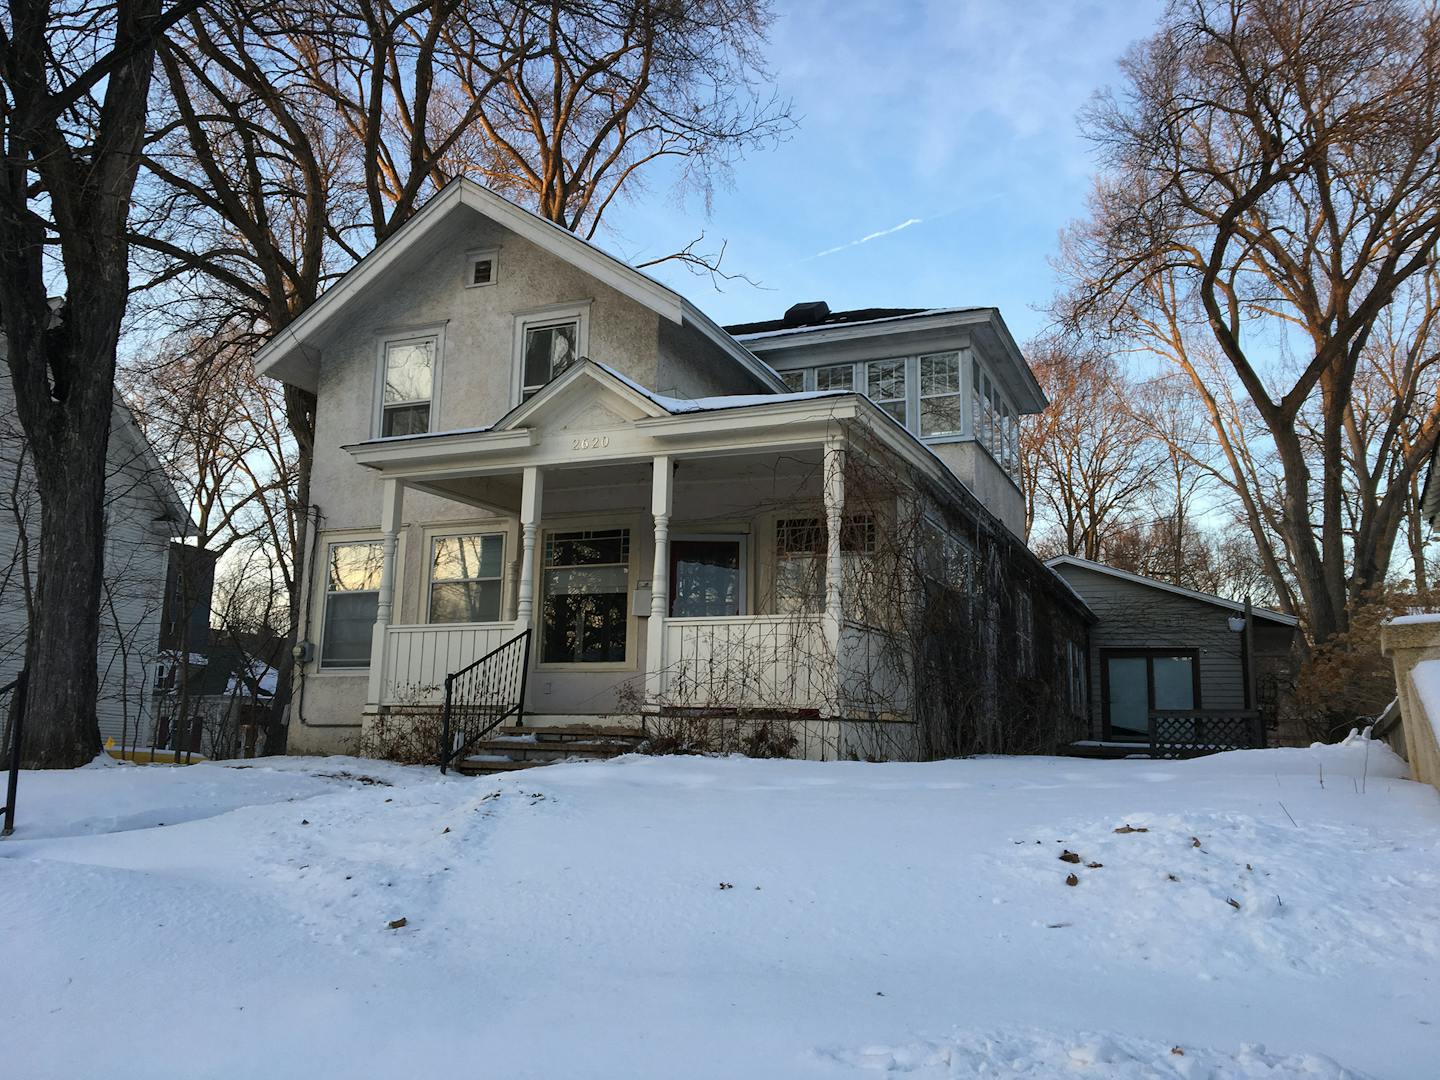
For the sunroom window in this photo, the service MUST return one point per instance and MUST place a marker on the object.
(835, 377)
(465, 575)
(586, 587)
(885, 385)
(794, 380)
(409, 385)
(352, 594)
(940, 394)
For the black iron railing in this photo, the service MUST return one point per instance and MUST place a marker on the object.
(483, 695)
(16, 728)
(1189, 733)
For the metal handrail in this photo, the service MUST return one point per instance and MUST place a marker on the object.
(17, 725)
(482, 695)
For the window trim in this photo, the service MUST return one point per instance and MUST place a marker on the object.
(577, 311)
(329, 541)
(907, 369)
(431, 538)
(921, 397)
(399, 335)
(813, 378)
(480, 255)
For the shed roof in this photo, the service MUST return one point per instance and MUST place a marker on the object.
(1165, 586)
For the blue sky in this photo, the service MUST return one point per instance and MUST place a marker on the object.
(955, 120)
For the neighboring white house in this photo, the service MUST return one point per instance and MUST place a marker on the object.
(516, 431)
(142, 513)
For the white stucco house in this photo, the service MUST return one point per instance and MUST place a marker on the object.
(813, 521)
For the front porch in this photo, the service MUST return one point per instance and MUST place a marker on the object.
(662, 568)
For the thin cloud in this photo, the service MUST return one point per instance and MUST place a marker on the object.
(866, 239)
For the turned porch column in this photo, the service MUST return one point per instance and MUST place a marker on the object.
(833, 620)
(662, 500)
(392, 506)
(531, 496)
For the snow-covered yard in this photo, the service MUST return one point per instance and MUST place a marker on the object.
(726, 918)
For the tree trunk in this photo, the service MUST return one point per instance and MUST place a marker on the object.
(61, 726)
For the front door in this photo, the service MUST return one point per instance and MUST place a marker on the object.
(707, 576)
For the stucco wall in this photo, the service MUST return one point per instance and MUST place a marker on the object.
(979, 472)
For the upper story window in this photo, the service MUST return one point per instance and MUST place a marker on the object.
(835, 377)
(795, 380)
(408, 369)
(548, 342)
(481, 268)
(940, 411)
(885, 385)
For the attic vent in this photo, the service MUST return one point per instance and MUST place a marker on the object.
(480, 268)
(810, 313)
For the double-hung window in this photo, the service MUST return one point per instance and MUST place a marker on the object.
(548, 341)
(408, 384)
(586, 595)
(794, 380)
(940, 394)
(885, 385)
(465, 578)
(352, 593)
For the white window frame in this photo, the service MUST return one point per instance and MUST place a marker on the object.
(807, 380)
(432, 538)
(907, 371)
(539, 318)
(331, 542)
(921, 397)
(477, 256)
(855, 387)
(399, 336)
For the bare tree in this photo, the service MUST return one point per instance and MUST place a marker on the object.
(76, 79)
(1086, 459)
(1271, 187)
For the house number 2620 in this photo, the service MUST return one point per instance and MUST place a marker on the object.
(594, 442)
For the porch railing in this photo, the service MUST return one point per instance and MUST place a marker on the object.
(747, 662)
(418, 657)
(1189, 733)
(483, 695)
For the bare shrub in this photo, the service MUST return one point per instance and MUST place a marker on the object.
(407, 733)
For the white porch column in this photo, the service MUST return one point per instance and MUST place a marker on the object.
(531, 496)
(834, 569)
(392, 506)
(507, 589)
(662, 499)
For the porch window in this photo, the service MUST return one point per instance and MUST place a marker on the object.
(885, 386)
(835, 377)
(586, 595)
(465, 573)
(352, 592)
(408, 385)
(800, 549)
(549, 349)
(707, 576)
(940, 394)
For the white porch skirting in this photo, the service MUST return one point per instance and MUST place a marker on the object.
(417, 658)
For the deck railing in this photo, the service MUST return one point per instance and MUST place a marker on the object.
(747, 662)
(483, 695)
(1191, 733)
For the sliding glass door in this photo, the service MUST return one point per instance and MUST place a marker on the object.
(1137, 682)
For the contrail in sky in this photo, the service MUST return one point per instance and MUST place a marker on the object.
(866, 239)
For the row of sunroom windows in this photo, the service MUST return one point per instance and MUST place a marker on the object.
(924, 394)
(585, 587)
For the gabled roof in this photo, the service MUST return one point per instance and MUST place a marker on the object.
(1165, 586)
(290, 354)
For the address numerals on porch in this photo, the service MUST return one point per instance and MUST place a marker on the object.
(592, 442)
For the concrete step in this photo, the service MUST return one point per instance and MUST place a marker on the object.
(552, 751)
(487, 766)
(563, 732)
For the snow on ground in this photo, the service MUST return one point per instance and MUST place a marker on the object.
(692, 917)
